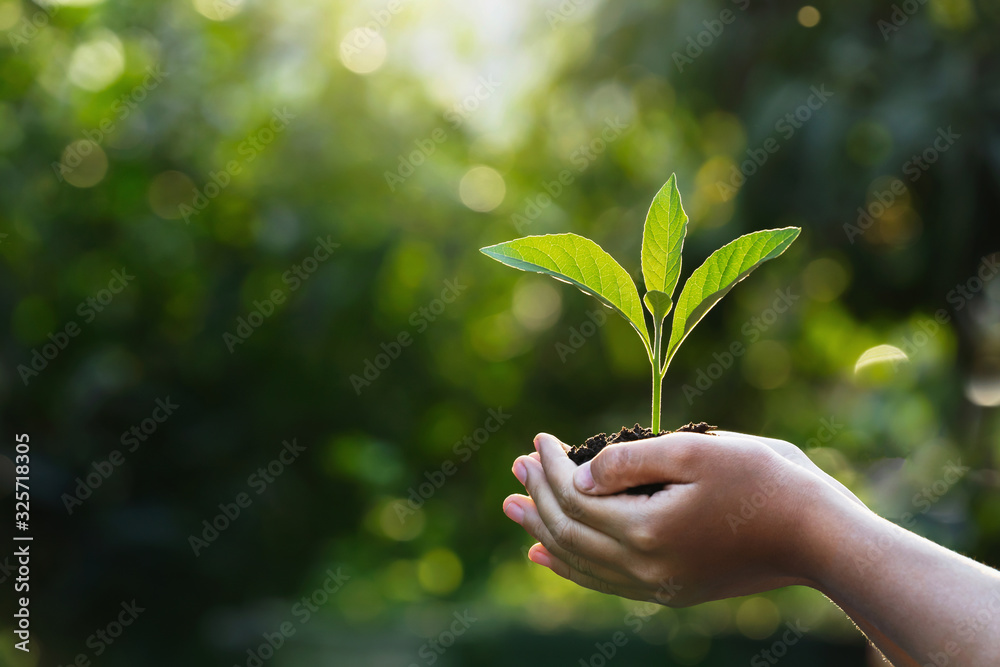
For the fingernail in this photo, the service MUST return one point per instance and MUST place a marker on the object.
(540, 557)
(520, 472)
(513, 511)
(583, 478)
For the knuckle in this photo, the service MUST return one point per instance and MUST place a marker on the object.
(572, 507)
(583, 567)
(649, 575)
(687, 454)
(617, 460)
(602, 586)
(643, 538)
(566, 534)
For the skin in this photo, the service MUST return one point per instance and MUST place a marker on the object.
(744, 514)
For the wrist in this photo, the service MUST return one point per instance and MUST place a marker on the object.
(827, 525)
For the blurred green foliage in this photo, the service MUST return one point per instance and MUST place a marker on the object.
(411, 134)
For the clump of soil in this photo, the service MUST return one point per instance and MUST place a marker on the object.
(588, 450)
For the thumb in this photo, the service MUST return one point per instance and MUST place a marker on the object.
(616, 468)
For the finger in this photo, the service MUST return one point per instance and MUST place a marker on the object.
(565, 447)
(607, 515)
(559, 470)
(573, 525)
(524, 511)
(668, 459)
(542, 556)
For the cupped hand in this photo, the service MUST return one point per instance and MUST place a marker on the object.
(736, 515)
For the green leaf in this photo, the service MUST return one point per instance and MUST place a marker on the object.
(658, 304)
(663, 240)
(721, 271)
(581, 262)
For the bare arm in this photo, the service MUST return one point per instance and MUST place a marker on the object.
(918, 602)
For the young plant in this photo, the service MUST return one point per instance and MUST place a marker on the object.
(581, 262)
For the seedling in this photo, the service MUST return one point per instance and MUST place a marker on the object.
(581, 262)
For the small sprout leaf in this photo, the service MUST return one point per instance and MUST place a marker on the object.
(581, 262)
(658, 304)
(663, 239)
(721, 271)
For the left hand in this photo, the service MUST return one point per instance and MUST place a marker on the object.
(689, 543)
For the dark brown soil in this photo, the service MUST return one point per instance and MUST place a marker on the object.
(593, 445)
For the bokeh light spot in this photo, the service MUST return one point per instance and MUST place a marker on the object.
(83, 164)
(537, 303)
(952, 14)
(10, 14)
(482, 189)
(869, 142)
(97, 63)
(984, 391)
(767, 364)
(359, 602)
(218, 10)
(168, 191)
(398, 521)
(399, 581)
(880, 354)
(362, 51)
(440, 571)
(690, 645)
(809, 16)
(757, 618)
(825, 279)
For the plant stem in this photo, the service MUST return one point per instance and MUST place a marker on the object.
(657, 374)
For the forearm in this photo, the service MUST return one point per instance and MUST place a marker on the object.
(890, 649)
(930, 603)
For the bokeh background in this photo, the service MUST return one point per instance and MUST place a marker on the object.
(410, 134)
